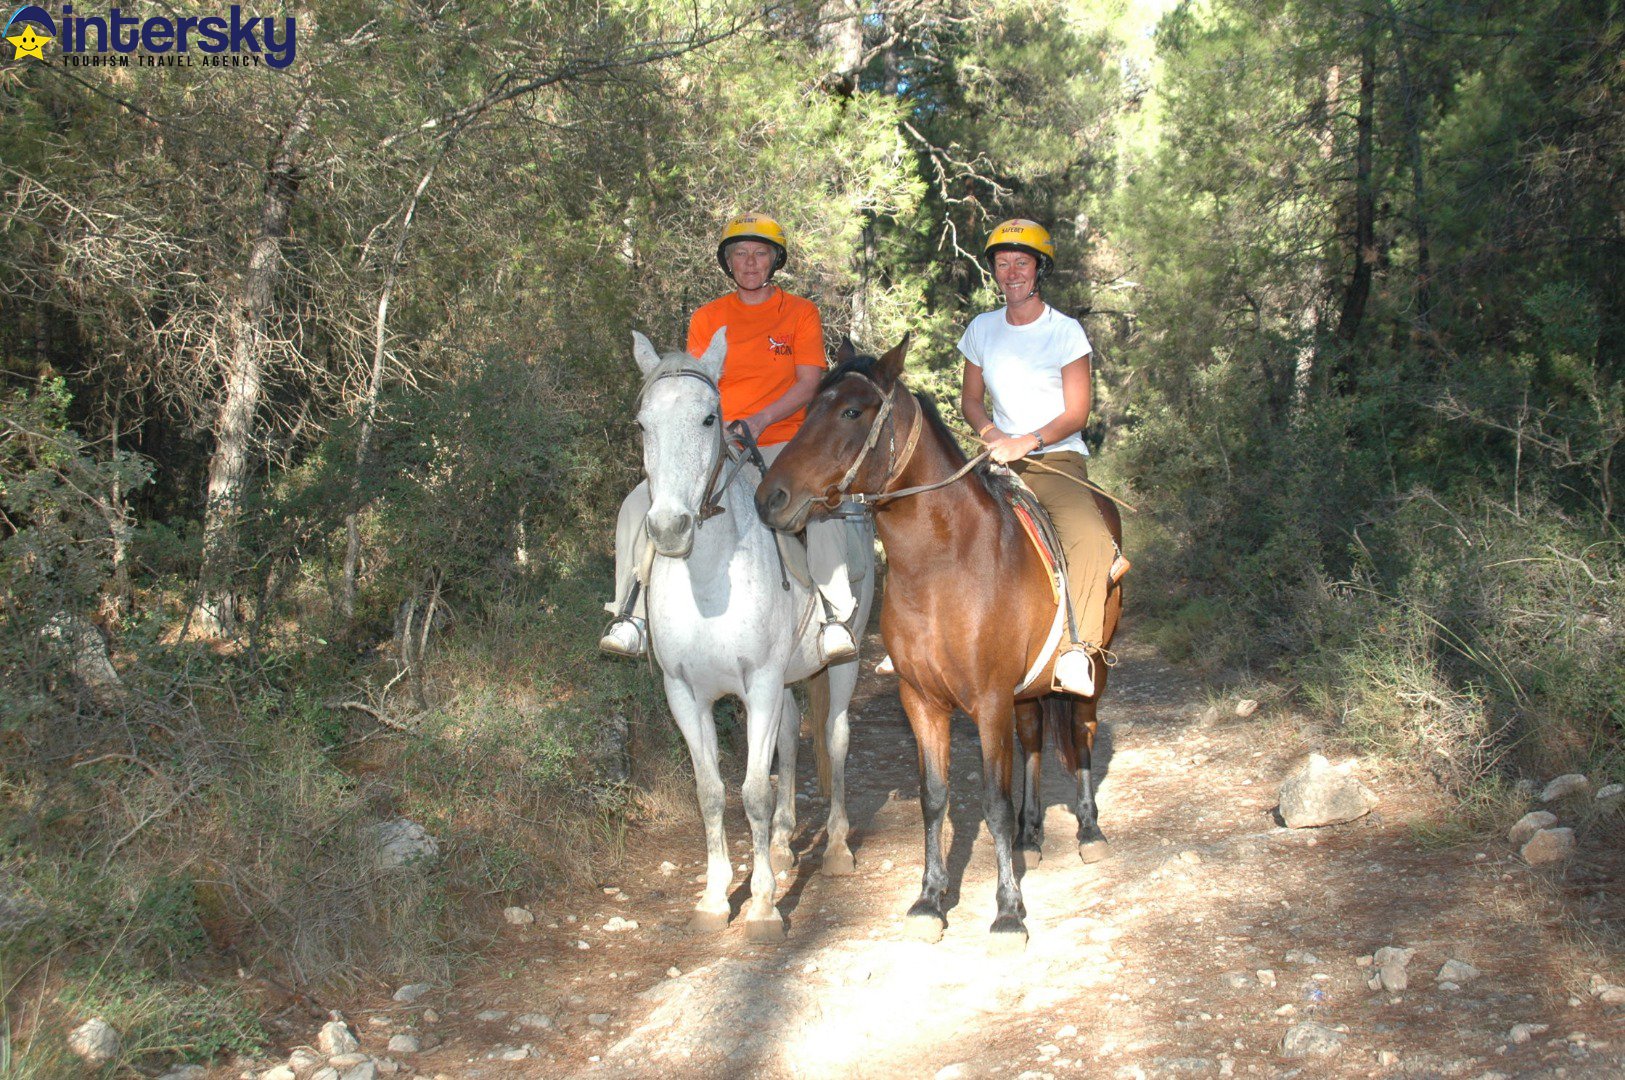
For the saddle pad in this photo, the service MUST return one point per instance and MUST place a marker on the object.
(1036, 523)
(793, 550)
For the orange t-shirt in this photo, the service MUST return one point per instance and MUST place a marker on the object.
(766, 343)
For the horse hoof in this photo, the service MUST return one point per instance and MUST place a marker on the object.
(768, 931)
(780, 859)
(1094, 851)
(839, 863)
(1007, 936)
(708, 922)
(926, 928)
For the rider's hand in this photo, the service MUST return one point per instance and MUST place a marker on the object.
(1007, 448)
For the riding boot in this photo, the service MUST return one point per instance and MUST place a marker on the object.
(1075, 671)
(836, 643)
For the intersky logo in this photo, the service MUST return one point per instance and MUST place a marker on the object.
(159, 41)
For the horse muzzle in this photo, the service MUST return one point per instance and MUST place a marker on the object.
(672, 533)
(779, 510)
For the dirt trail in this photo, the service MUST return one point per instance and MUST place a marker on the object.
(1154, 963)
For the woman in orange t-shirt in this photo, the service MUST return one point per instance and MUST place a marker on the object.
(775, 359)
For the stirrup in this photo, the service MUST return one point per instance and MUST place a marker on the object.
(626, 636)
(836, 643)
(1075, 672)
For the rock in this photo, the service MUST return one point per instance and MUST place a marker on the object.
(1456, 971)
(1563, 786)
(518, 916)
(598, 1019)
(489, 1016)
(1265, 977)
(1309, 1039)
(1237, 980)
(335, 1038)
(1301, 956)
(1612, 995)
(192, 1072)
(346, 1061)
(304, 1059)
(667, 869)
(281, 1072)
(403, 842)
(96, 1041)
(1548, 845)
(1610, 792)
(616, 924)
(1530, 824)
(1321, 794)
(1522, 1033)
(79, 641)
(411, 992)
(404, 1044)
(956, 1071)
(1390, 963)
(1246, 707)
(516, 1053)
(326, 1072)
(430, 1016)
(674, 972)
(1210, 714)
(364, 1070)
(533, 1020)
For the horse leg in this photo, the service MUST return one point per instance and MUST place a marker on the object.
(699, 730)
(929, 720)
(842, 680)
(1030, 824)
(780, 857)
(993, 721)
(1092, 844)
(765, 716)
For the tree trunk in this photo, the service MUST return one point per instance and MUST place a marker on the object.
(1409, 96)
(375, 384)
(1358, 291)
(215, 611)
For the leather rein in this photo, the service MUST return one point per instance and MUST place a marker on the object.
(899, 461)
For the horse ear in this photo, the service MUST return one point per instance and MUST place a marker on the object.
(711, 359)
(845, 353)
(890, 368)
(643, 351)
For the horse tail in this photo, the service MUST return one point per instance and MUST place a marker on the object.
(1058, 721)
(818, 716)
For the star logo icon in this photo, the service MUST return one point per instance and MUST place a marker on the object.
(29, 43)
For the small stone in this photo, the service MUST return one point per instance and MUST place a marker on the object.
(403, 842)
(430, 1016)
(1530, 824)
(1237, 980)
(887, 866)
(1320, 794)
(304, 1059)
(1457, 971)
(515, 1053)
(326, 1072)
(1067, 1031)
(1190, 858)
(346, 1061)
(1522, 1033)
(533, 1020)
(1613, 995)
(335, 1038)
(1610, 792)
(583, 946)
(1286, 1010)
(1564, 786)
(1548, 845)
(1246, 707)
(361, 1070)
(281, 1072)
(387, 1066)
(491, 1016)
(1449, 987)
(411, 992)
(1310, 1039)
(598, 1019)
(518, 916)
(674, 972)
(1265, 977)
(404, 1044)
(667, 869)
(616, 924)
(1301, 956)
(1387, 1058)
(956, 1071)
(95, 1041)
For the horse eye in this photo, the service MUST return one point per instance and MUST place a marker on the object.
(851, 414)
(711, 419)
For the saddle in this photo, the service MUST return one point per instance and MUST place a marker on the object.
(1040, 530)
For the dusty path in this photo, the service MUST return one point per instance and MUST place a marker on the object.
(1192, 951)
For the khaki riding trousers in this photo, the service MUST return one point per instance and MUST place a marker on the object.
(1085, 540)
(827, 546)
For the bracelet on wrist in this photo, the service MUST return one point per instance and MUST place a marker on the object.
(1039, 439)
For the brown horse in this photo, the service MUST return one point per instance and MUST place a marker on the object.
(967, 612)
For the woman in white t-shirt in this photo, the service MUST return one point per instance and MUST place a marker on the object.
(1032, 363)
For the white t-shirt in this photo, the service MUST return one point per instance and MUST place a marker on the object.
(1021, 367)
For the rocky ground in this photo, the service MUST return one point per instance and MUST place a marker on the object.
(1215, 941)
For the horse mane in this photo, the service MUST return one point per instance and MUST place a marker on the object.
(996, 483)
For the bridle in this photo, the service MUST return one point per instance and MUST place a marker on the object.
(711, 498)
(886, 417)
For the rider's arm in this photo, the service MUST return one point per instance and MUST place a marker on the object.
(1005, 447)
(801, 391)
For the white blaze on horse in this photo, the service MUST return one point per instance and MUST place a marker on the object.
(724, 618)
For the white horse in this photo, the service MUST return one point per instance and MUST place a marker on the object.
(722, 622)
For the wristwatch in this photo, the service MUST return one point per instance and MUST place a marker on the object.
(1040, 447)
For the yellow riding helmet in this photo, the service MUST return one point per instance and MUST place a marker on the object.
(1020, 234)
(753, 227)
